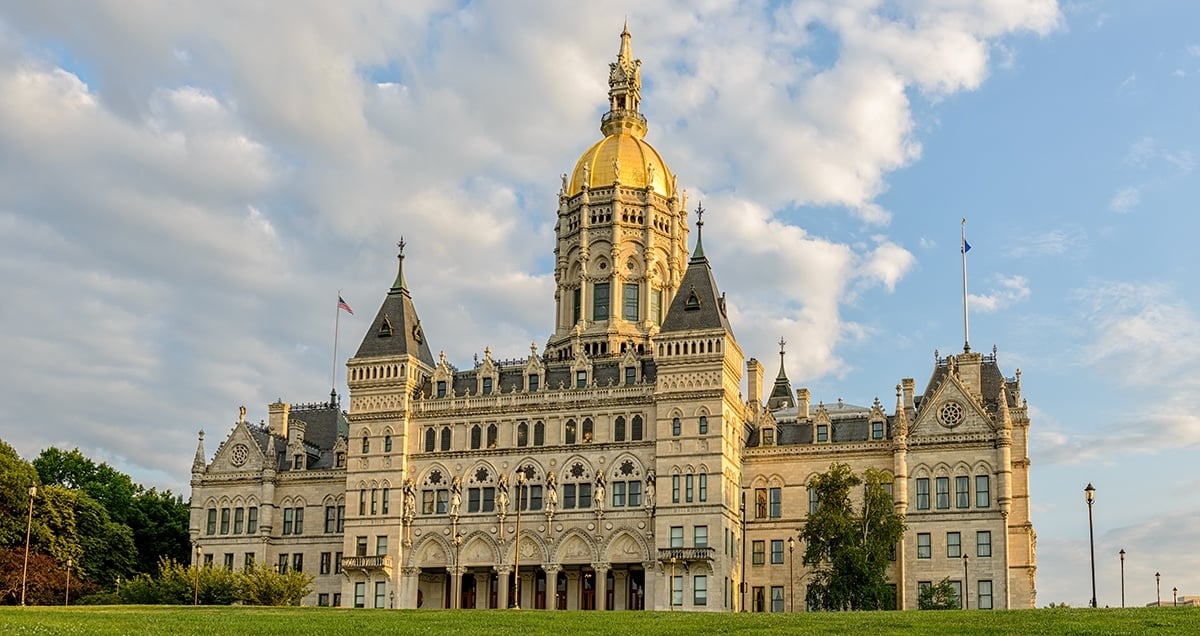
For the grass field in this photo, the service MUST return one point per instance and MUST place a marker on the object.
(232, 621)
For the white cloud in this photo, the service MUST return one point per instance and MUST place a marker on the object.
(1052, 243)
(1125, 199)
(1006, 290)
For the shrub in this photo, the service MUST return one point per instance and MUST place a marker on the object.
(938, 597)
(263, 585)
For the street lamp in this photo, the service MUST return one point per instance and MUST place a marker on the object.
(1089, 493)
(966, 586)
(791, 574)
(742, 511)
(516, 586)
(28, 528)
(392, 599)
(196, 589)
(1175, 595)
(68, 598)
(1158, 589)
(1122, 553)
(458, 574)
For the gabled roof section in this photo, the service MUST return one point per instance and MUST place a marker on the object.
(697, 304)
(396, 329)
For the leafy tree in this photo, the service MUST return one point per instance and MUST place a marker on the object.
(113, 489)
(159, 523)
(16, 476)
(45, 583)
(938, 597)
(849, 550)
(264, 585)
(106, 548)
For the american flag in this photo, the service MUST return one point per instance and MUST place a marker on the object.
(342, 305)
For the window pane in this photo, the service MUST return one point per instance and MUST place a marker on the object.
(776, 503)
(943, 492)
(629, 302)
(953, 545)
(600, 301)
(923, 493)
(924, 546)
(983, 543)
(962, 492)
(983, 495)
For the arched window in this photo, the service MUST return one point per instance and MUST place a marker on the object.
(589, 432)
(539, 434)
(476, 436)
(387, 443)
(366, 445)
(569, 438)
(704, 425)
(619, 429)
(523, 434)
(676, 427)
(430, 440)
(635, 428)
(445, 438)
(492, 434)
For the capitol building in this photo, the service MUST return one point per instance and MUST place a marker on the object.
(635, 461)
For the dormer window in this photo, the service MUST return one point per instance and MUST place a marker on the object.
(693, 301)
(822, 433)
(768, 437)
(580, 379)
(341, 460)
(487, 386)
(441, 388)
(532, 384)
(876, 430)
(298, 462)
(385, 328)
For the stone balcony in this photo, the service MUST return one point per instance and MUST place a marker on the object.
(367, 564)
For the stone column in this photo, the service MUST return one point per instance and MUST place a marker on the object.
(410, 579)
(456, 574)
(602, 585)
(502, 572)
(654, 580)
(620, 589)
(573, 588)
(482, 593)
(551, 586)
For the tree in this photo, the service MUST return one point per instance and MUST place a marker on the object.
(264, 585)
(159, 523)
(938, 597)
(848, 550)
(16, 476)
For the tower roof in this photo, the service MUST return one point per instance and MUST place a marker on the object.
(396, 329)
(781, 393)
(698, 304)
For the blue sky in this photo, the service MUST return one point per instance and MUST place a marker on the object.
(184, 188)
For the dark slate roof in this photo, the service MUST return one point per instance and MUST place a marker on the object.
(405, 335)
(324, 424)
(990, 381)
(781, 393)
(849, 429)
(512, 379)
(697, 304)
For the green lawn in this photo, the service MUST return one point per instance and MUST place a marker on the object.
(231, 621)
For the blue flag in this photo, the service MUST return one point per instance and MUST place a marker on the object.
(966, 247)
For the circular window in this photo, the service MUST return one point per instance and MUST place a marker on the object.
(951, 414)
(239, 455)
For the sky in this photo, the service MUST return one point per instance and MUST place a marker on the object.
(184, 188)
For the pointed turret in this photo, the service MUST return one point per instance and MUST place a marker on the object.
(624, 92)
(781, 393)
(198, 463)
(697, 305)
(396, 329)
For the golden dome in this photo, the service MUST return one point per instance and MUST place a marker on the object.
(624, 158)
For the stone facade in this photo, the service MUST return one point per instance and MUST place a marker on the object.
(620, 467)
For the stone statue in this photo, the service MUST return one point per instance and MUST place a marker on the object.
(598, 499)
(502, 494)
(616, 169)
(551, 492)
(455, 496)
(650, 486)
(587, 173)
(410, 499)
(564, 182)
(241, 414)
(649, 174)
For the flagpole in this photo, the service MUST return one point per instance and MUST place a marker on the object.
(962, 247)
(337, 317)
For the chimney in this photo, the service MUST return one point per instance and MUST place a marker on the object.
(907, 386)
(754, 376)
(803, 398)
(278, 423)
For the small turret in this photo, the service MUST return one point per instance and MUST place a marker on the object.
(198, 464)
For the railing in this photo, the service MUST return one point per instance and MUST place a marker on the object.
(686, 555)
(546, 396)
(367, 562)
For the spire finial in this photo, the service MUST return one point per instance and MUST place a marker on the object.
(699, 231)
(400, 285)
(624, 92)
(782, 343)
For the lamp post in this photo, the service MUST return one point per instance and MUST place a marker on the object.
(1122, 553)
(1158, 589)
(458, 574)
(28, 528)
(516, 603)
(67, 601)
(791, 574)
(742, 511)
(1089, 494)
(196, 589)
(966, 586)
(392, 599)
(1175, 596)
